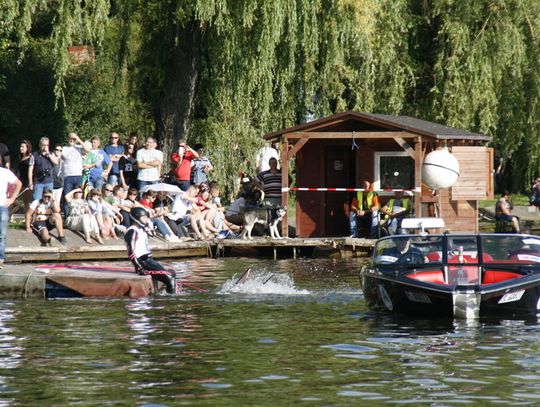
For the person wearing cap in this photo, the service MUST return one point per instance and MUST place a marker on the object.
(10, 187)
(42, 216)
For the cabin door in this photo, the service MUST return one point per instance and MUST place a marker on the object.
(339, 173)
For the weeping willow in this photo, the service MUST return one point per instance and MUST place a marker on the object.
(225, 72)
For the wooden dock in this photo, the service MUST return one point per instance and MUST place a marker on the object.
(32, 271)
(24, 247)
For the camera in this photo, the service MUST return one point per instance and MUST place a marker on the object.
(42, 174)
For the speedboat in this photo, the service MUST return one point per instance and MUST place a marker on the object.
(453, 275)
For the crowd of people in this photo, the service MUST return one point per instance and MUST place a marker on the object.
(91, 190)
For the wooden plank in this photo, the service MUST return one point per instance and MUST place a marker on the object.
(349, 135)
(292, 152)
(406, 147)
(473, 181)
(285, 183)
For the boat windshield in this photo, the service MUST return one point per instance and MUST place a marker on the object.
(511, 249)
(408, 250)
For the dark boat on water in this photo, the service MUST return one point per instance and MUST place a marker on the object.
(454, 275)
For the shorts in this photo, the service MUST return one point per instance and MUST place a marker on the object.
(508, 218)
(39, 225)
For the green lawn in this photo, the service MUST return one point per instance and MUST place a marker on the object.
(517, 200)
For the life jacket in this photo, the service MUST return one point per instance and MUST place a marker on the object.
(406, 202)
(360, 197)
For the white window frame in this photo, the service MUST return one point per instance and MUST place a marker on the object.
(377, 168)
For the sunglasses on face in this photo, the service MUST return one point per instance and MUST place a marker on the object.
(108, 190)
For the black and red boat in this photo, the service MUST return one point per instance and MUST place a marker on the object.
(454, 275)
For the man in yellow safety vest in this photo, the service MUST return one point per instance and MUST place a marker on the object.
(395, 209)
(364, 211)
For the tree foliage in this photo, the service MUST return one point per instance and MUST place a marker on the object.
(225, 72)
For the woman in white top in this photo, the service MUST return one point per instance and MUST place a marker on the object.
(80, 218)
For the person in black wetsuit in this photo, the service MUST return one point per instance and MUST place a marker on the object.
(139, 252)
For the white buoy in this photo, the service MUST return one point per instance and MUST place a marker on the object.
(440, 169)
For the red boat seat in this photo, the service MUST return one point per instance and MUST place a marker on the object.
(431, 276)
(498, 276)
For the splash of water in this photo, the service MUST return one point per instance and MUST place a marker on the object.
(261, 282)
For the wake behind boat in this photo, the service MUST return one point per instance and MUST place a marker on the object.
(459, 276)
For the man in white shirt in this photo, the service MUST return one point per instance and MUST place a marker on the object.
(149, 161)
(10, 187)
(72, 158)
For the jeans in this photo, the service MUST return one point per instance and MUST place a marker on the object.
(38, 189)
(4, 218)
(142, 184)
(370, 219)
(113, 179)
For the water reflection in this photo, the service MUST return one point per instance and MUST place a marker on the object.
(315, 344)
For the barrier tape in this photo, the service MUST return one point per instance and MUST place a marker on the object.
(287, 189)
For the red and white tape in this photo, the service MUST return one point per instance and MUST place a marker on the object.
(287, 189)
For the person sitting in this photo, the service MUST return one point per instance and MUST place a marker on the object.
(139, 253)
(42, 216)
(403, 253)
(535, 193)
(503, 211)
(364, 213)
(156, 218)
(393, 213)
(103, 214)
(80, 218)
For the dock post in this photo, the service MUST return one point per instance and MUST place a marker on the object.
(275, 253)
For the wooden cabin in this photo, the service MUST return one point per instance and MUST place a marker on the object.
(342, 150)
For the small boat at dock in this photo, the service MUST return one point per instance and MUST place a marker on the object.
(453, 275)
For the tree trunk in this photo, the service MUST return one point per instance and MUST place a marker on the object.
(174, 112)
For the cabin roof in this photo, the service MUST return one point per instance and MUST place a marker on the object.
(384, 122)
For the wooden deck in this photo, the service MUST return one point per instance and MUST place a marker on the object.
(115, 250)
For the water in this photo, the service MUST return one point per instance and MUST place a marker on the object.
(297, 333)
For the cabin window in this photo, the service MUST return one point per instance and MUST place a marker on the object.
(393, 170)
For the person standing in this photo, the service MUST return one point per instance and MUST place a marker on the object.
(128, 168)
(5, 157)
(100, 173)
(42, 176)
(200, 166)
(271, 181)
(72, 156)
(24, 171)
(10, 187)
(181, 160)
(115, 152)
(149, 161)
(58, 174)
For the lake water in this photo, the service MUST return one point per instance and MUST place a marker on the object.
(297, 333)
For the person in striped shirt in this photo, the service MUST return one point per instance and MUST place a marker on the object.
(271, 182)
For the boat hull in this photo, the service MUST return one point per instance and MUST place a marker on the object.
(405, 296)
